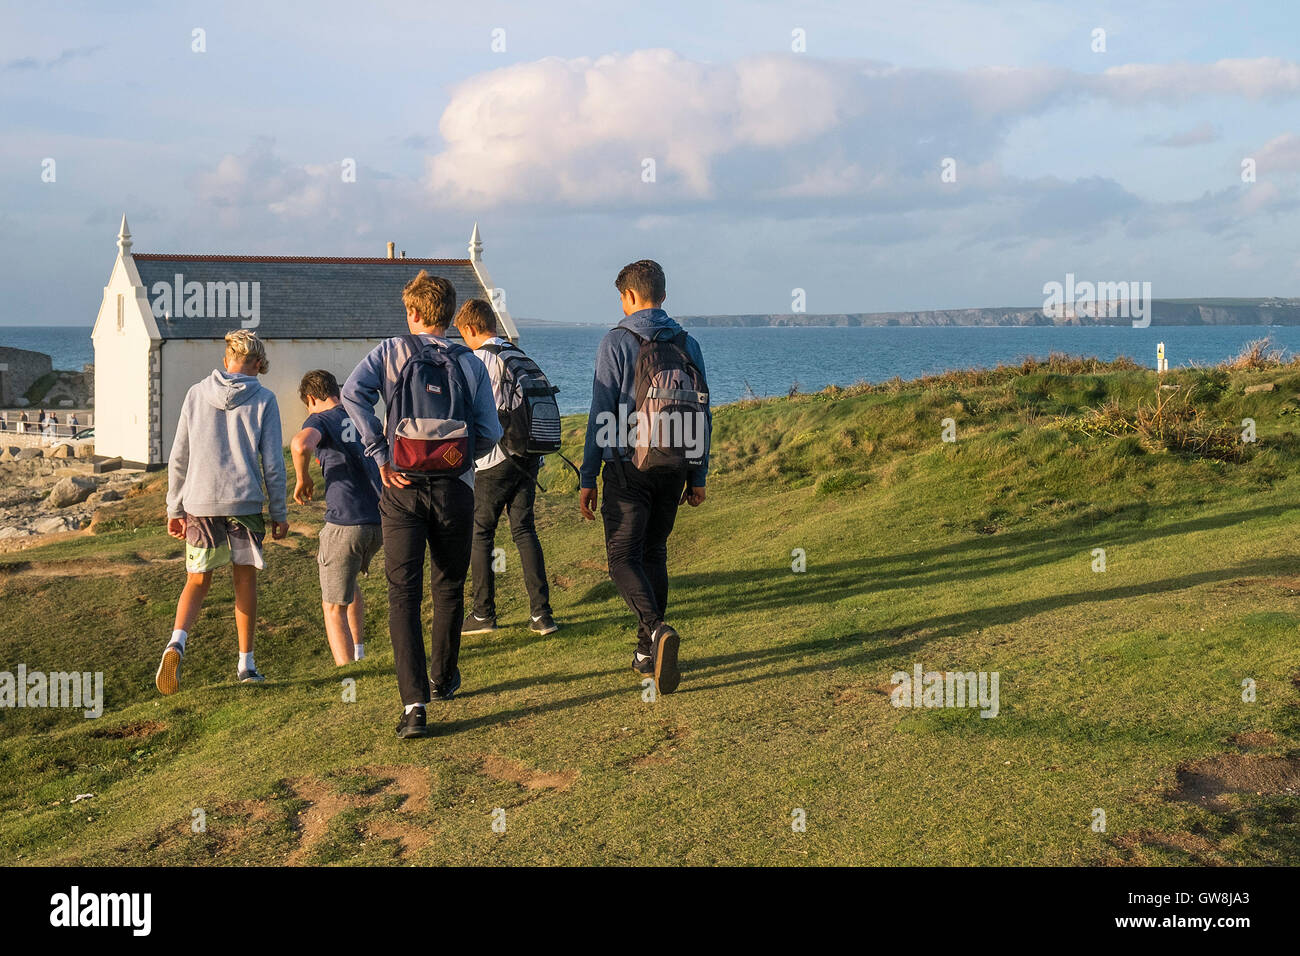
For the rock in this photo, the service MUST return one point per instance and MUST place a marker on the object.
(85, 450)
(107, 464)
(6, 533)
(52, 525)
(10, 453)
(70, 491)
(30, 453)
(100, 497)
(62, 451)
(1265, 387)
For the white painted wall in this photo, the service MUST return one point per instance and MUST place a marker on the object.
(186, 361)
(122, 368)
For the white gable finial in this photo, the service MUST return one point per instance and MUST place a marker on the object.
(124, 237)
(475, 246)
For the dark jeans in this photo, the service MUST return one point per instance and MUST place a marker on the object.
(638, 512)
(508, 485)
(437, 514)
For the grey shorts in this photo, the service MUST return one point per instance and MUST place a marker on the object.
(345, 551)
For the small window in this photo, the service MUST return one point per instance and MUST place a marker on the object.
(121, 311)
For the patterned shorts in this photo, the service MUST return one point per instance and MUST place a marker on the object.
(212, 543)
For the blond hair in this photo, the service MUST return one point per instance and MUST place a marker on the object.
(432, 297)
(244, 346)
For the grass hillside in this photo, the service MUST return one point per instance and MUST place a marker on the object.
(1120, 690)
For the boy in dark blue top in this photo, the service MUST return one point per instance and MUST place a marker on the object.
(351, 534)
(639, 507)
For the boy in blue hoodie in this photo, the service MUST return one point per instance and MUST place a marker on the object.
(215, 495)
(640, 506)
(423, 514)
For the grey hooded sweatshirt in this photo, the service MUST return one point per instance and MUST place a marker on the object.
(227, 422)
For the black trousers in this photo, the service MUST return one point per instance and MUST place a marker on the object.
(509, 485)
(638, 512)
(438, 515)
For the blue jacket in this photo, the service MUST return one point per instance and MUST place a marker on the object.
(615, 384)
(377, 374)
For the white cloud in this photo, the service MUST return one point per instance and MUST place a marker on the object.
(1280, 154)
(1198, 135)
(575, 132)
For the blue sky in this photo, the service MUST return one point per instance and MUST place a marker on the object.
(774, 169)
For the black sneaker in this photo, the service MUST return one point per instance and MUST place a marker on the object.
(413, 724)
(478, 625)
(643, 664)
(448, 692)
(251, 676)
(543, 624)
(664, 643)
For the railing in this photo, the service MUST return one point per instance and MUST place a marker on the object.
(12, 424)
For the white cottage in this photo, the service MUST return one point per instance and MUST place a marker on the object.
(163, 320)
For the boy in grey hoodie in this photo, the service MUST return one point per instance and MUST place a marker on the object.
(215, 494)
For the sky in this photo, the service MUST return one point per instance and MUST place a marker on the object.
(872, 156)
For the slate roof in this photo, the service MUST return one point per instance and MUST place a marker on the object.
(306, 297)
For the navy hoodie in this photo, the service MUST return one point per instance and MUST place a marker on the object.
(615, 384)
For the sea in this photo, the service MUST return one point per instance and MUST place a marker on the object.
(772, 361)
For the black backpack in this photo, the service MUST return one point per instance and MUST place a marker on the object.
(529, 414)
(672, 403)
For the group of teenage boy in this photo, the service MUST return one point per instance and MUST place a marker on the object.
(464, 432)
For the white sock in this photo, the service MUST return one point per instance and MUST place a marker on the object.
(178, 637)
(411, 707)
(246, 661)
(358, 652)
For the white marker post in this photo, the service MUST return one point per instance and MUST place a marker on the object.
(1162, 364)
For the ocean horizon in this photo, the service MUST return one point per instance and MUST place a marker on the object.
(771, 360)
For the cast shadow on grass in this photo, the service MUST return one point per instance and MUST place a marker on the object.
(857, 648)
(972, 559)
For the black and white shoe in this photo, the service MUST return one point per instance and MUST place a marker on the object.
(251, 675)
(168, 678)
(478, 625)
(543, 624)
(664, 643)
(447, 692)
(643, 664)
(413, 724)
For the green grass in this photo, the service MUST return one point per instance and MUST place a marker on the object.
(1116, 688)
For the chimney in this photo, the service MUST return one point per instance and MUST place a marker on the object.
(390, 250)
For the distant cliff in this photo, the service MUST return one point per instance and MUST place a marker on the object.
(1163, 312)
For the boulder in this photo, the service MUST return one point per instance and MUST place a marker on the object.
(85, 450)
(70, 491)
(11, 532)
(30, 453)
(1264, 387)
(10, 453)
(107, 464)
(62, 451)
(100, 497)
(53, 525)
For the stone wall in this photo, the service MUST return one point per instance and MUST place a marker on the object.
(24, 368)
